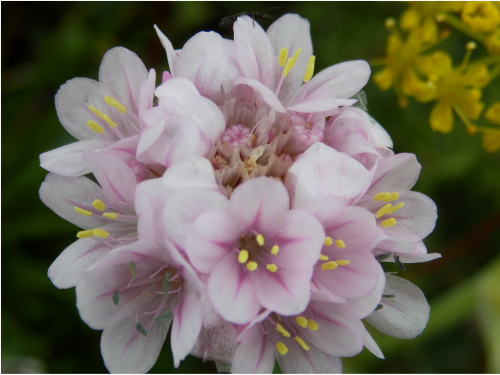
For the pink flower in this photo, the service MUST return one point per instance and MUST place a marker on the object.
(102, 114)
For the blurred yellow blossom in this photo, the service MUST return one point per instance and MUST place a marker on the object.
(493, 113)
(492, 43)
(423, 15)
(481, 16)
(491, 137)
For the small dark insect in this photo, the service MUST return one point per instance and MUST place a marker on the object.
(228, 22)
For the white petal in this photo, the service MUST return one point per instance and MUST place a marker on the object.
(403, 316)
(217, 344)
(171, 54)
(365, 305)
(267, 95)
(321, 105)
(372, 346)
(68, 160)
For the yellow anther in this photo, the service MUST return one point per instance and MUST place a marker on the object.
(115, 103)
(381, 196)
(111, 215)
(385, 209)
(243, 256)
(100, 233)
(343, 262)
(252, 266)
(396, 207)
(94, 126)
(148, 295)
(310, 69)
(283, 56)
(296, 56)
(275, 249)
(329, 266)
(390, 22)
(82, 211)
(104, 117)
(98, 205)
(260, 239)
(272, 267)
(313, 326)
(288, 66)
(340, 243)
(388, 223)
(393, 197)
(323, 257)
(471, 45)
(281, 330)
(282, 349)
(85, 234)
(328, 241)
(302, 343)
(301, 321)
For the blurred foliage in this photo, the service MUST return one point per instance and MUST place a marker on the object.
(46, 44)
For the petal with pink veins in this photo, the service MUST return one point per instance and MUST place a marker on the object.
(171, 54)
(267, 95)
(255, 354)
(365, 305)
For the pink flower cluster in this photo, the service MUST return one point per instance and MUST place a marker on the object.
(247, 208)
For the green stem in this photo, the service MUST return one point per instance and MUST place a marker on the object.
(485, 60)
(455, 22)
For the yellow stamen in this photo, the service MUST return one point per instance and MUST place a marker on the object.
(388, 223)
(98, 205)
(94, 126)
(310, 69)
(104, 117)
(381, 196)
(82, 211)
(340, 243)
(283, 56)
(395, 208)
(260, 239)
(329, 266)
(85, 234)
(328, 241)
(252, 266)
(282, 349)
(115, 103)
(100, 233)
(471, 45)
(301, 321)
(296, 56)
(281, 330)
(313, 326)
(288, 66)
(302, 343)
(323, 257)
(393, 197)
(275, 249)
(343, 262)
(390, 22)
(111, 215)
(272, 267)
(385, 209)
(243, 256)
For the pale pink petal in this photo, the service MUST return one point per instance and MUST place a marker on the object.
(61, 194)
(217, 344)
(313, 361)
(123, 72)
(74, 260)
(186, 326)
(231, 291)
(203, 60)
(194, 172)
(147, 94)
(113, 174)
(292, 32)
(338, 81)
(320, 105)
(256, 55)
(214, 235)
(267, 95)
(259, 203)
(171, 54)
(327, 210)
(365, 305)
(255, 354)
(418, 258)
(323, 171)
(67, 160)
(403, 316)
(379, 135)
(176, 85)
(372, 346)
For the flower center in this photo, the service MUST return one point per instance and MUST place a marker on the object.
(238, 135)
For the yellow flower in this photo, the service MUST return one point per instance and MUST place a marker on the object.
(455, 89)
(481, 16)
(423, 15)
(493, 113)
(402, 64)
(491, 141)
(492, 43)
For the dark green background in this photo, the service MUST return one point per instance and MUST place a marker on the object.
(46, 44)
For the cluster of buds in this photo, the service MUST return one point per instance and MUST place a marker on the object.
(430, 76)
(244, 204)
